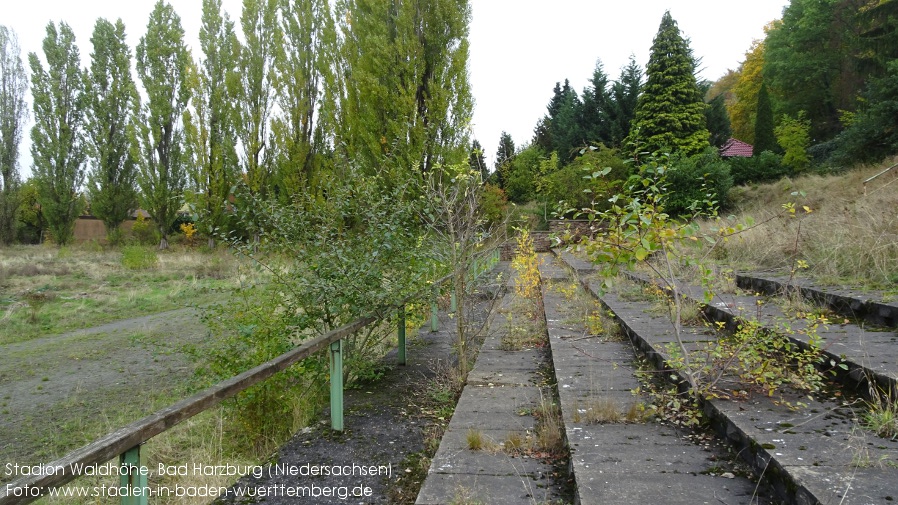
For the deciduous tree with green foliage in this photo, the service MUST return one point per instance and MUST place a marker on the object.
(670, 110)
(211, 136)
(304, 83)
(112, 102)
(13, 114)
(164, 65)
(256, 95)
(57, 138)
(872, 133)
(808, 62)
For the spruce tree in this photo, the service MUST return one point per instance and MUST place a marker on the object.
(717, 119)
(594, 113)
(477, 161)
(765, 139)
(670, 111)
(622, 102)
(504, 155)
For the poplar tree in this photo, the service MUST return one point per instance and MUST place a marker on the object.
(413, 116)
(211, 130)
(112, 101)
(670, 110)
(164, 66)
(304, 82)
(13, 114)
(57, 138)
(256, 91)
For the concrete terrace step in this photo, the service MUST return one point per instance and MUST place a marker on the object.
(867, 353)
(621, 463)
(869, 306)
(498, 401)
(817, 454)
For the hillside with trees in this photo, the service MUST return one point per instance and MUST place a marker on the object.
(817, 94)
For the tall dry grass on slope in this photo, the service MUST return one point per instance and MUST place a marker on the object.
(849, 238)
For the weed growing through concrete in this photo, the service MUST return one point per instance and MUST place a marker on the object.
(882, 414)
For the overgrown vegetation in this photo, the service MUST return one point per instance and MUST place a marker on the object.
(639, 231)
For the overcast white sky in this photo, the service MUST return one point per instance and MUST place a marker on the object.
(519, 48)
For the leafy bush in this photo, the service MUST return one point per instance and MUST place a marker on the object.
(135, 257)
(494, 203)
(521, 175)
(570, 186)
(325, 261)
(765, 167)
(697, 184)
(793, 135)
(143, 231)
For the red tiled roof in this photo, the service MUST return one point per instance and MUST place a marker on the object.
(735, 147)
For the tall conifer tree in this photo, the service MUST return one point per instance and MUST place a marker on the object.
(765, 139)
(624, 96)
(670, 111)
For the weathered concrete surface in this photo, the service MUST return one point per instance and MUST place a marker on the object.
(816, 454)
(622, 462)
(842, 342)
(498, 402)
(869, 306)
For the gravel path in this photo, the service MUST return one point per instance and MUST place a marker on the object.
(57, 392)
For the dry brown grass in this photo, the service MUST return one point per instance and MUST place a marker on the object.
(848, 238)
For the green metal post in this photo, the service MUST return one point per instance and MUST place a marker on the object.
(434, 310)
(337, 385)
(452, 302)
(400, 331)
(133, 478)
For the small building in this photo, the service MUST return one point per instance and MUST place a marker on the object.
(736, 148)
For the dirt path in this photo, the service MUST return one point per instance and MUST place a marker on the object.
(59, 392)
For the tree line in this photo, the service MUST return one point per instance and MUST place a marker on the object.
(819, 92)
(310, 88)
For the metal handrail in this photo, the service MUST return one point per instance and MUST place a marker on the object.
(126, 441)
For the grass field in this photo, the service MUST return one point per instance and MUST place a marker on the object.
(46, 290)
